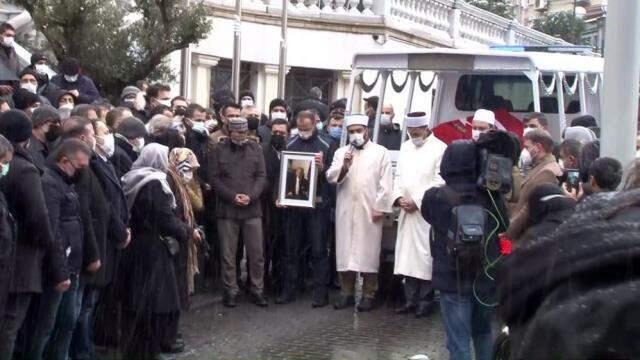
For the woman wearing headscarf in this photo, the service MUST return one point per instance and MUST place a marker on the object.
(182, 166)
(151, 301)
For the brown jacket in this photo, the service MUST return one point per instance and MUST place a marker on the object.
(547, 171)
(236, 170)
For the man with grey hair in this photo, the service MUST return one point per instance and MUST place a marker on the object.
(46, 130)
(236, 170)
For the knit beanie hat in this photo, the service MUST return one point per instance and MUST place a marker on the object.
(15, 126)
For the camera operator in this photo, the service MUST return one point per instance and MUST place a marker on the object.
(467, 294)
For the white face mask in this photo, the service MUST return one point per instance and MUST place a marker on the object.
(524, 162)
(108, 145)
(527, 130)
(41, 68)
(278, 115)
(294, 132)
(140, 103)
(165, 102)
(419, 141)
(71, 78)
(475, 134)
(246, 102)
(200, 127)
(8, 41)
(66, 106)
(385, 119)
(138, 144)
(32, 88)
(356, 140)
(211, 123)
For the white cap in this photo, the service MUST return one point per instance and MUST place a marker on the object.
(416, 121)
(486, 116)
(357, 119)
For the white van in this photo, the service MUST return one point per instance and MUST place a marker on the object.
(561, 82)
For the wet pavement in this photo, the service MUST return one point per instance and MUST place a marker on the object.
(296, 331)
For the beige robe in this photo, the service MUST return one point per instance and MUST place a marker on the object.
(418, 170)
(366, 187)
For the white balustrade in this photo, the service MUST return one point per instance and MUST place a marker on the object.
(455, 22)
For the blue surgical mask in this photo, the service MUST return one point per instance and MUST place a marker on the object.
(335, 132)
(5, 170)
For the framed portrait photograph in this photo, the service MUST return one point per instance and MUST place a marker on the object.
(298, 179)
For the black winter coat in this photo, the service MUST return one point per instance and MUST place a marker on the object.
(110, 218)
(66, 226)
(84, 85)
(94, 216)
(182, 258)
(148, 272)
(39, 153)
(458, 171)
(123, 157)
(315, 144)
(22, 188)
(576, 294)
(7, 249)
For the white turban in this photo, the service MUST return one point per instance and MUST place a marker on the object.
(486, 116)
(357, 119)
(416, 121)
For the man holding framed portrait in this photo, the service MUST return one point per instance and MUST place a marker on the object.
(305, 191)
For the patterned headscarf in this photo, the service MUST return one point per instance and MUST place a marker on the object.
(181, 161)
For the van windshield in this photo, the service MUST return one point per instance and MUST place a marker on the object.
(510, 92)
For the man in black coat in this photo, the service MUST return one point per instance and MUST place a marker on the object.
(73, 80)
(129, 139)
(46, 130)
(22, 188)
(8, 57)
(273, 216)
(7, 228)
(307, 228)
(314, 102)
(57, 313)
(465, 292)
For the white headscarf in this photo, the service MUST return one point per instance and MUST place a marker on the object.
(152, 164)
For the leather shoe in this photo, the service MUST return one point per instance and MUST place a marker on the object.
(424, 309)
(259, 300)
(344, 302)
(407, 308)
(320, 301)
(365, 305)
(229, 301)
(285, 298)
(175, 348)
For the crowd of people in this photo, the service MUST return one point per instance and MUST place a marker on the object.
(112, 215)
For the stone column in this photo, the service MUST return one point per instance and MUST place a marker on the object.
(201, 66)
(266, 85)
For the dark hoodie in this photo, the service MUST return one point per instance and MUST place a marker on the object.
(459, 170)
(548, 208)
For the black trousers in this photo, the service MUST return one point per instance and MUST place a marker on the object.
(274, 243)
(306, 227)
(417, 291)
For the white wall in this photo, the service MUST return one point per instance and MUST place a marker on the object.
(306, 47)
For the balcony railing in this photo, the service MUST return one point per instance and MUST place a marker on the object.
(454, 22)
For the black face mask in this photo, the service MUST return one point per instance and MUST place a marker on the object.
(180, 111)
(53, 134)
(253, 122)
(76, 176)
(278, 142)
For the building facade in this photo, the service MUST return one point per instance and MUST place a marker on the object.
(323, 37)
